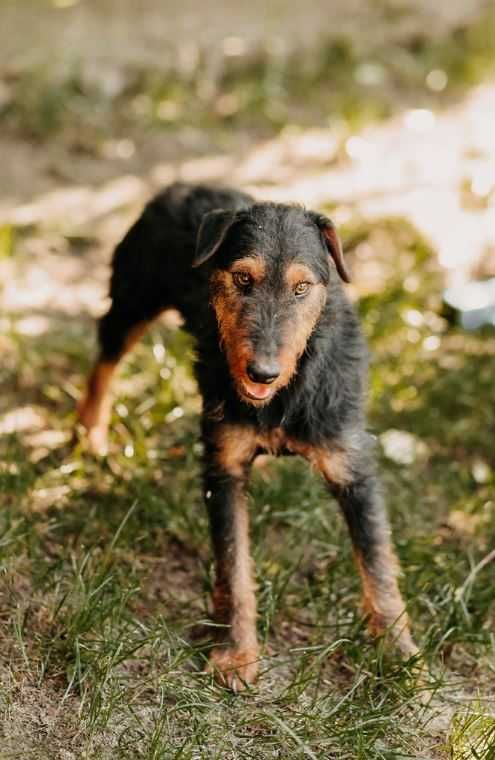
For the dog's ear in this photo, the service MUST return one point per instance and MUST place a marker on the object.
(211, 234)
(332, 243)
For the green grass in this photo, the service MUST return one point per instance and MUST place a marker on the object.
(105, 567)
(343, 82)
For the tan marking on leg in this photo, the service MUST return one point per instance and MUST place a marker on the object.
(273, 441)
(134, 334)
(333, 464)
(94, 409)
(382, 600)
(236, 445)
(232, 668)
(244, 610)
(335, 467)
(236, 663)
(235, 660)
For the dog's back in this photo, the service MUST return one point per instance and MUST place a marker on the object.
(151, 266)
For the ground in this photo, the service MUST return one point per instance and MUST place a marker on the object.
(105, 564)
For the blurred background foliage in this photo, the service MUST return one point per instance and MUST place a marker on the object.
(273, 74)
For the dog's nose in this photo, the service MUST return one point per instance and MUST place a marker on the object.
(263, 371)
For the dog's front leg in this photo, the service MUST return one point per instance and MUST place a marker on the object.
(365, 514)
(234, 659)
(352, 479)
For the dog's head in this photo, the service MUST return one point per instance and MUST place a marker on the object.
(269, 272)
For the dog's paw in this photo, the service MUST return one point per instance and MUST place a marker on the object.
(396, 633)
(95, 423)
(234, 668)
(97, 441)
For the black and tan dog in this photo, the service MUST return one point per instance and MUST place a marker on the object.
(281, 366)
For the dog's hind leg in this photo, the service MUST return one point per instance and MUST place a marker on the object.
(118, 332)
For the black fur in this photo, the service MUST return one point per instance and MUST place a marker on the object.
(152, 271)
(167, 260)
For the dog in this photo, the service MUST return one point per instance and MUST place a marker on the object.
(281, 366)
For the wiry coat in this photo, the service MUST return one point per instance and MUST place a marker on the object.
(186, 251)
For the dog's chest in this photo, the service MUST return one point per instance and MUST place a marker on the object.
(331, 460)
(277, 441)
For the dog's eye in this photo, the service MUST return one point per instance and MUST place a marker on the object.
(302, 288)
(242, 280)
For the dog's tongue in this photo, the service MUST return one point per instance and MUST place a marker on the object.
(259, 391)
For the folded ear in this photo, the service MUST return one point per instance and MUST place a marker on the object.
(211, 234)
(332, 243)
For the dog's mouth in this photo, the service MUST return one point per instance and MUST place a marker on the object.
(260, 392)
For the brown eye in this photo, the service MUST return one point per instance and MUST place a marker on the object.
(242, 280)
(302, 288)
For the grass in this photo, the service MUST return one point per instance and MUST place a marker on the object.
(105, 567)
(341, 83)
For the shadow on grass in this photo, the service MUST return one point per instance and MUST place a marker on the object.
(106, 565)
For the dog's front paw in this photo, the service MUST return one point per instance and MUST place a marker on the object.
(234, 668)
(396, 632)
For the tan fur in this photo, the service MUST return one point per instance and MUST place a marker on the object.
(235, 445)
(227, 303)
(333, 464)
(252, 265)
(234, 598)
(300, 328)
(234, 593)
(233, 668)
(243, 625)
(94, 410)
(382, 600)
(233, 335)
(298, 273)
(91, 407)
